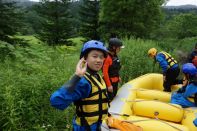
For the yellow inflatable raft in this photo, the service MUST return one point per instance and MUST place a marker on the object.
(142, 102)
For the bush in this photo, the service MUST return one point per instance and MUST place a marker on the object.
(26, 85)
(135, 60)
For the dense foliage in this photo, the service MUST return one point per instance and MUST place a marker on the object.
(27, 80)
(10, 23)
(56, 23)
(89, 17)
(136, 18)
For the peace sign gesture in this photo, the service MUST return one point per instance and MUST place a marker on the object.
(81, 67)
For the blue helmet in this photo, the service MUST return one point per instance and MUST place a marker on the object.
(93, 44)
(190, 69)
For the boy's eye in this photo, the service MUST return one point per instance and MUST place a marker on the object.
(102, 57)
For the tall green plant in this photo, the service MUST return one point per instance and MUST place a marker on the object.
(134, 59)
(89, 17)
(56, 25)
(10, 20)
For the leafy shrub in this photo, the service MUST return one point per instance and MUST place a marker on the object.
(26, 84)
(6, 50)
(135, 60)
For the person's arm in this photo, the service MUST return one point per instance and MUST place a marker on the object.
(71, 84)
(105, 70)
(191, 89)
(75, 89)
(80, 72)
(162, 62)
(63, 97)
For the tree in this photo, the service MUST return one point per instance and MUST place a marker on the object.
(56, 23)
(32, 22)
(89, 17)
(74, 8)
(182, 26)
(10, 17)
(130, 18)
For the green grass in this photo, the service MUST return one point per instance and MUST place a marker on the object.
(134, 59)
(78, 41)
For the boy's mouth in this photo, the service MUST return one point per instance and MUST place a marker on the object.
(98, 65)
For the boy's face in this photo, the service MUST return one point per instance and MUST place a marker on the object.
(95, 60)
(117, 49)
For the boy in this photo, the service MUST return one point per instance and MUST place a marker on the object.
(169, 67)
(86, 89)
(187, 95)
(111, 67)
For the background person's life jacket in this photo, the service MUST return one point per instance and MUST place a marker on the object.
(115, 67)
(170, 60)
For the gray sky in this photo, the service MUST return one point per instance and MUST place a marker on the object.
(182, 2)
(34, 0)
(174, 2)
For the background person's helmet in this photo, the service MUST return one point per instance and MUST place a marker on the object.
(190, 69)
(93, 44)
(115, 42)
(152, 52)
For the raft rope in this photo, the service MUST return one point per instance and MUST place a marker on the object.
(156, 101)
(156, 119)
(144, 89)
(105, 127)
(153, 100)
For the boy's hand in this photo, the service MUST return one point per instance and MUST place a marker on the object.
(110, 89)
(81, 68)
(120, 80)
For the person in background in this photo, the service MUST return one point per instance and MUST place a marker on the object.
(193, 56)
(169, 65)
(86, 89)
(187, 95)
(112, 66)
